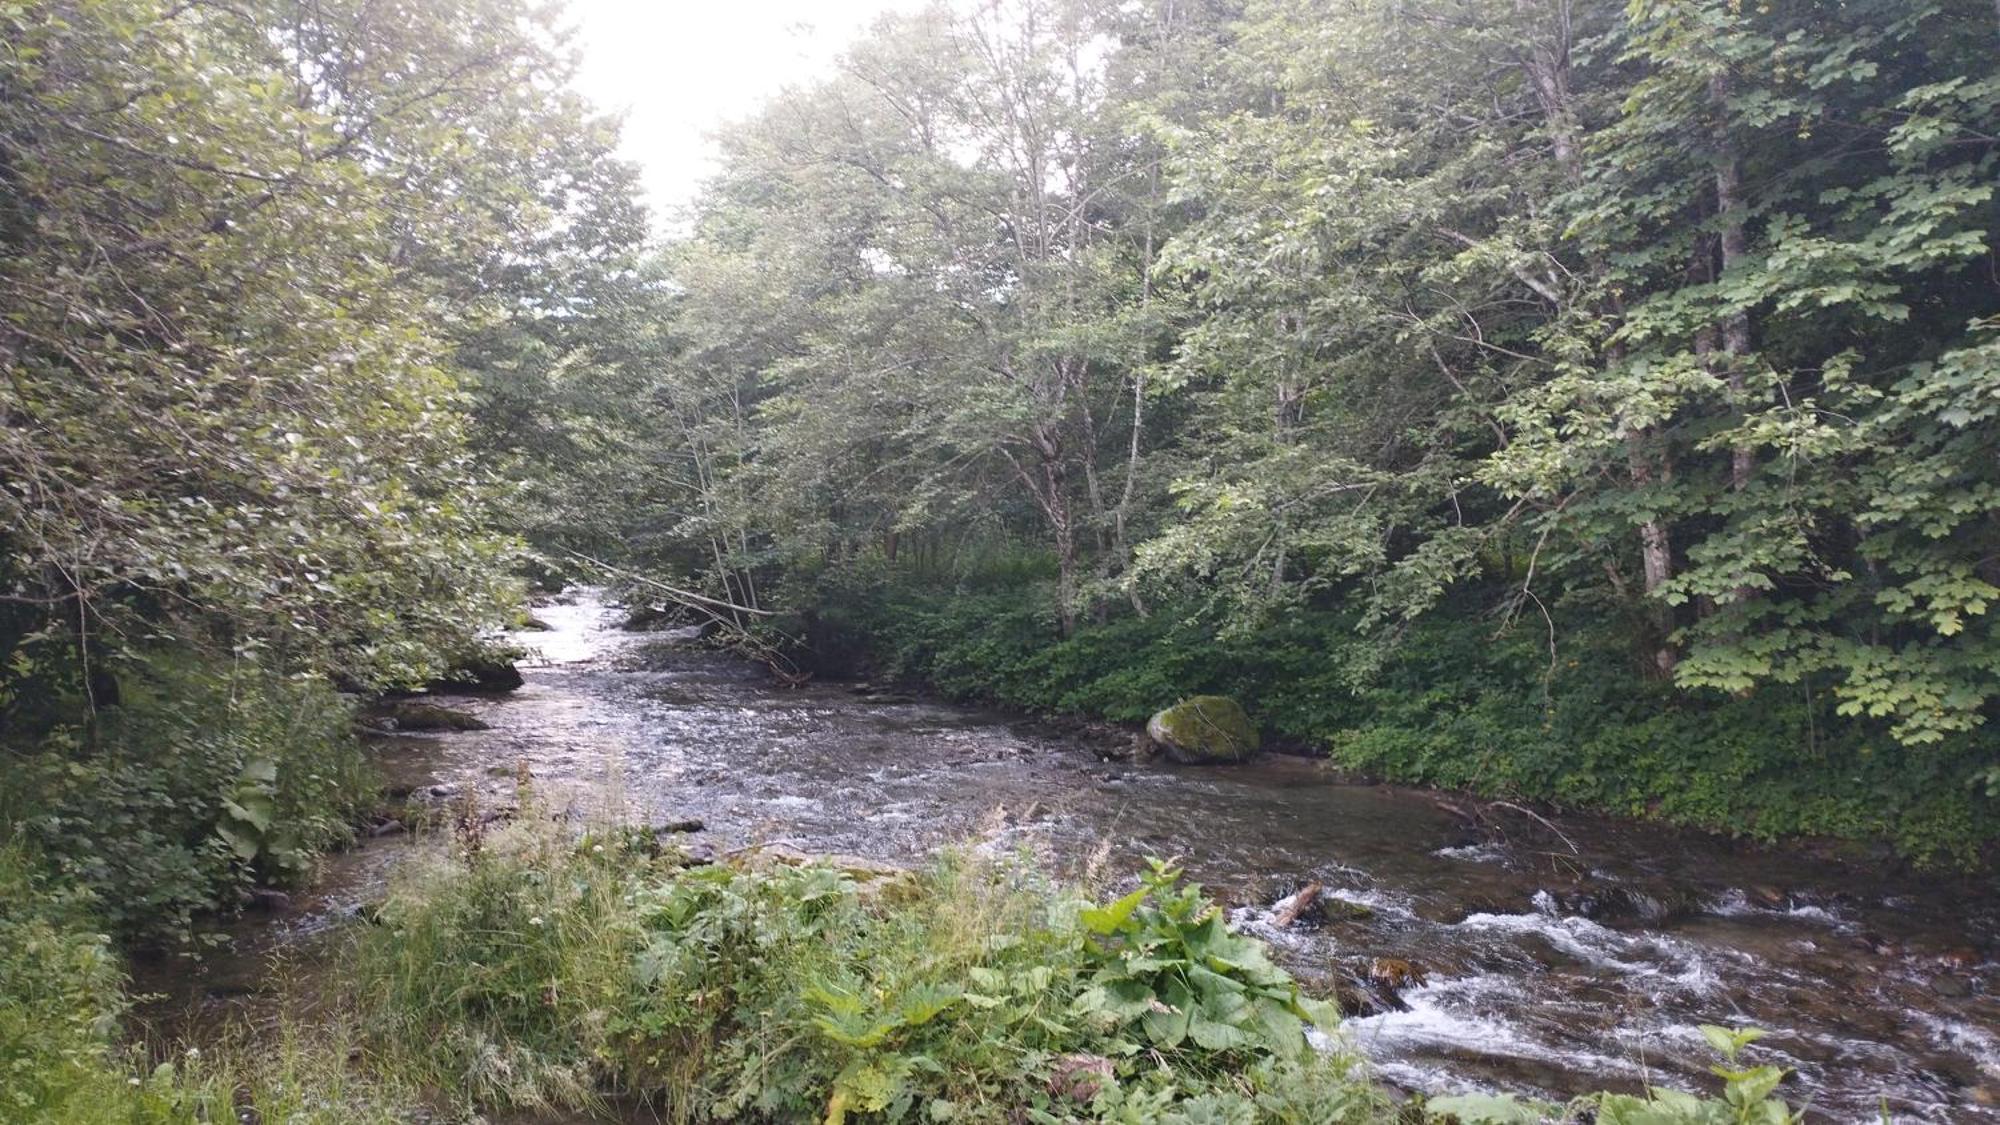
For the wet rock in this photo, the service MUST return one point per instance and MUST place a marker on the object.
(1360, 997)
(677, 827)
(1396, 974)
(1950, 986)
(697, 855)
(529, 623)
(483, 673)
(1961, 957)
(267, 899)
(1207, 729)
(1341, 910)
(1617, 905)
(441, 792)
(875, 877)
(390, 827)
(411, 715)
(646, 618)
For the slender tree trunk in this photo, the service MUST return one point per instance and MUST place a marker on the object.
(1063, 531)
(1735, 327)
(1547, 68)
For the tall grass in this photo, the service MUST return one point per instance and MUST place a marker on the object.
(537, 970)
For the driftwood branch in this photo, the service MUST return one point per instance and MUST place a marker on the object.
(1291, 907)
(676, 591)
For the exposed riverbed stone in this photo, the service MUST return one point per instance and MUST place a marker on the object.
(1204, 730)
(484, 673)
(413, 715)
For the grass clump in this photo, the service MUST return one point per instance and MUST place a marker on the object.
(535, 971)
(62, 1061)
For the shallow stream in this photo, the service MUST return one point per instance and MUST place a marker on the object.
(1490, 949)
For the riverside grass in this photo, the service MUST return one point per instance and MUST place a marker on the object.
(530, 968)
(534, 970)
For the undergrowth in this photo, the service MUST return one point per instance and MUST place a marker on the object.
(204, 779)
(1456, 700)
(535, 970)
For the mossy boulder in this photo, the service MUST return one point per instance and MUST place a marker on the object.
(1203, 730)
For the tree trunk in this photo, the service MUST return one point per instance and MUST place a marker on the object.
(1735, 327)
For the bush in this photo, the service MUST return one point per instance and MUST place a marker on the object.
(202, 781)
(61, 989)
(539, 972)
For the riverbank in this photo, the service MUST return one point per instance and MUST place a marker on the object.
(1468, 959)
(1459, 700)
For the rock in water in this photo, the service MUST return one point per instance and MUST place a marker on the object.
(413, 716)
(483, 673)
(1203, 730)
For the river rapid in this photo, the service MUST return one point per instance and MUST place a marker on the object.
(1483, 948)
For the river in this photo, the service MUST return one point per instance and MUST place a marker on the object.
(1485, 949)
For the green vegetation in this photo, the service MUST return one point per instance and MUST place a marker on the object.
(1586, 401)
(260, 284)
(546, 971)
(534, 969)
(202, 782)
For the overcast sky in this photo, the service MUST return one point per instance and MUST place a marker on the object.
(678, 69)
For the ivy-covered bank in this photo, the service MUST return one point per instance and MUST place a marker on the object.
(1461, 699)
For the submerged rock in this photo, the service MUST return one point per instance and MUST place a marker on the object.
(1203, 730)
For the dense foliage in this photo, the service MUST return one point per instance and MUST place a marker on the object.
(1656, 339)
(269, 270)
(539, 971)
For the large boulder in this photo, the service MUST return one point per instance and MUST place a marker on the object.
(1204, 730)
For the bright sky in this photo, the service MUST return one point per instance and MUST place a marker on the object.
(678, 69)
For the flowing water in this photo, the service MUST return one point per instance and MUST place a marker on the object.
(1485, 949)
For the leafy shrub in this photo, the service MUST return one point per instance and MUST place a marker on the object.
(201, 782)
(536, 972)
(60, 989)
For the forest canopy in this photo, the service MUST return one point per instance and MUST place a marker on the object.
(1656, 335)
(1585, 400)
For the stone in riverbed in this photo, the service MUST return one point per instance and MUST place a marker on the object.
(1204, 730)
(414, 716)
(490, 671)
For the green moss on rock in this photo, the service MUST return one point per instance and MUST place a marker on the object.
(1204, 729)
